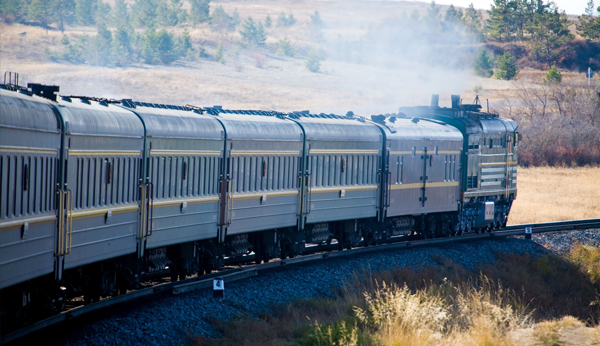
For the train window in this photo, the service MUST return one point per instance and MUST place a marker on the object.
(343, 165)
(414, 151)
(436, 151)
(491, 143)
(184, 170)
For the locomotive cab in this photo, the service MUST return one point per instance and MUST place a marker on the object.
(488, 182)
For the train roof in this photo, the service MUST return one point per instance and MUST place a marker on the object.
(255, 125)
(403, 128)
(84, 116)
(165, 121)
(18, 109)
(330, 127)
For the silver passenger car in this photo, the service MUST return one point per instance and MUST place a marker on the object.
(30, 136)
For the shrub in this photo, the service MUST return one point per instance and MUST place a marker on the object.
(507, 67)
(313, 61)
(220, 53)
(284, 47)
(483, 64)
(284, 20)
(553, 76)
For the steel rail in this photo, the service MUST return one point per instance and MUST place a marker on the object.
(235, 274)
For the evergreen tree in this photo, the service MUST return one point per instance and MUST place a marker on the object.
(185, 43)
(550, 34)
(13, 9)
(41, 11)
(316, 19)
(284, 20)
(165, 47)
(553, 76)
(483, 64)
(119, 16)
(199, 12)
(122, 46)
(220, 53)
(221, 21)
(149, 46)
(589, 26)
(507, 67)
(313, 61)
(85, 12)
(472, 20)
(145, 13)
(498, 26)
(268, 21)
(103, 13)
(64, 11)
(252, 34)
(102, 45)
(284, 47)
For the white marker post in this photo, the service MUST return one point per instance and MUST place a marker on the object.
(528, 232)
(218, 288)
(589, 76)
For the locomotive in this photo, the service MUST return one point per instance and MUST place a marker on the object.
(98, 195)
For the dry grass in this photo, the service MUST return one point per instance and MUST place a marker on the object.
(548, 194)
(518, 300)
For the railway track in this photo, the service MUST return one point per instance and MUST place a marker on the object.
(239, 273)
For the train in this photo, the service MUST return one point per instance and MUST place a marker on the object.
(98, 195)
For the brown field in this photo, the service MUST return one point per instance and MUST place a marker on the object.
(548, 194)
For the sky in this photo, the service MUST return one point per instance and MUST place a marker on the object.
(570, 6)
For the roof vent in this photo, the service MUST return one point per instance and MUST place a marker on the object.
(66, 98)
(45, 91)
(86, 101)
(435, 100)
(455, 101)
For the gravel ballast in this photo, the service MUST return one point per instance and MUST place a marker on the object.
(170, 319)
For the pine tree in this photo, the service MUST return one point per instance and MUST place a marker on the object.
(13, 9)
(313, 61)
(316, 19)
(85, 12)
(199, 12)
(268, 21)
(252, 34)
(499, 25)
(122, 46)
(589, 26)
(553, 76)
(261, 35)
(149, 46)
(64, 11)
(220, 20)
(472, 20)
(119, 16)
(102, 45)
(145, 13)
(102, 13)
(550, 34)
(284, 47)
(220, 53)
(507, 67)
(41, 11)
(483, 64)
(165, 47)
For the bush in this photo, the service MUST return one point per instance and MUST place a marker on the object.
(483, 64)
(507, 67)
(220, 53)
(313, 61)
(553, 76)
(284, 47)
(284, 20)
